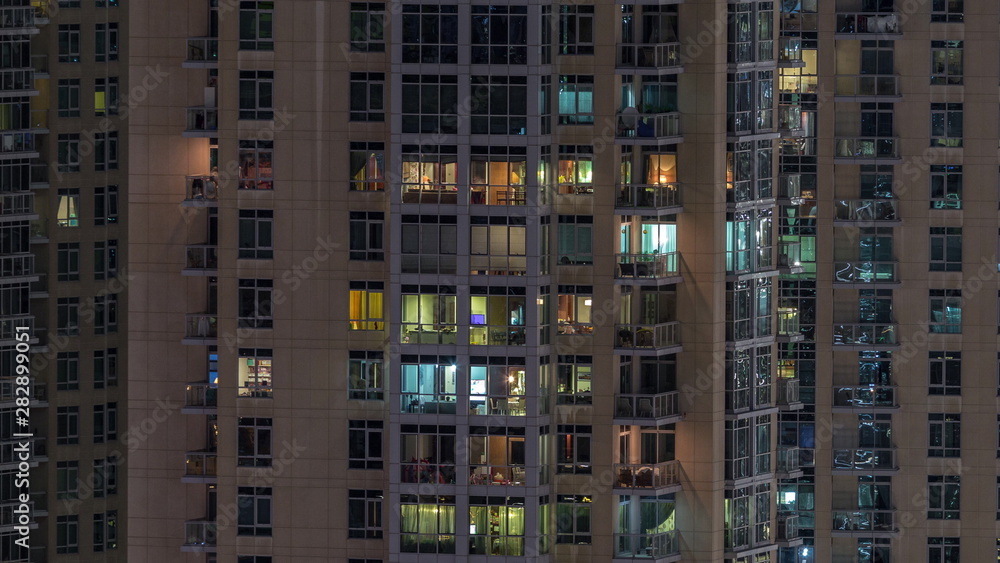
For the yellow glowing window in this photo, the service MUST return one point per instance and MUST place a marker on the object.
(366, 310)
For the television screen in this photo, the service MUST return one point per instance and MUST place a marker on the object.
(478, 320)
(478, 387)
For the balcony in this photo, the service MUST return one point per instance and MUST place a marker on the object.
(867, 25)
(40, 288)
(875, 523)
(42, 11)
(788, 530)
(17, 82)
(10, 454)
(648, 409)
(40, 121)
(17, 266)
(788, 325)
(748, 262)
(201, 328)
(865, 272)
(790, 189)
(200, 398)
(201, 191)
(636, 128)
(202, 122)
(41, 65)
(865, 335)
(788, 394)
(202, 52)
(864, 211)
(9, 326)
(17, 20)
(18, 204)
(789, 463)
(658, 548)
(39, 176)
(790, 120)
(853, 86)
(8, 519)
(864, 149)
(852, 460)
(866, 398)
(202, 260)
(637, 57)
(654, 337)
(644, 199)
(657, 268)
(790, 52)
(655, 478)
(790, 257)
(200, 467)
(199, 535)
(20, 144)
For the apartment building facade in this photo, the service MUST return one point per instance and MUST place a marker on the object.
(579, 282)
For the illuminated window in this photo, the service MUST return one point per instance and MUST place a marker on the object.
(69, 208)
(497, 389)
(574, 305)
(364, 374)
(496, 456)
(427, 524)
(367, 167)
(366, 305)
(496, 526)
(576, 169)
(428, 387)
(428, 318)
(497, 316)
(255, 373)
(498, 175)
(574, 380)
(256, 165)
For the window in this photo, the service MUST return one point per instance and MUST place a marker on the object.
(498, 388)
(105, 530)
(428, 315)
(256, 94)
(365, 373)
(946, 249)
(498, 175)
(69, 208)
(67, 479)
(946, 186)
(255, 304)
(67, 371)
(574, 380)
(943, 497)
(430, 33)
(573, 449)
(946, 311)
(257, 25)
(430, 174)
(945, 438)
(367, 97)
(946, 125)
(576, 235)
(364, 514)
(368, 27)
(430, 104)
(69, 152)
(106, 151)
(946, 62)
(429, 244)
(576, 100)
(942, 550)
(254, 442)
(256, 234)
(945, 373)
(496, 525)
(105, 314)
(255, 373)
(69, 44)
(256, 165)
(573, 519)
(428, 386)
(497, 316)
(106, 205)
(367, 167)
(498, 246)
(499, 105)
(105, 259)
(105, 423)
(366, 228)
(68, 313)
(68, 425)
(947, 11)
(427, 524)
(576, 169)
(573, 309)
(106, 96)
(364, 444)
(67, 534)
(366, 305)
(106, 42)
(68, 261)
(105, 368)
(500, 35)
(69, 97)
(254, 511)
(576, 31)
(428, 454)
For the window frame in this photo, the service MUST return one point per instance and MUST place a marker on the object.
(366, 441)
(369, 523)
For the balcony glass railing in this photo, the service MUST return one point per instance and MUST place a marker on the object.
(662, 335)
(790, 117)
(790, 186)
(789, 49)
(788, 390)
(643, 55)
(648, 196)
(867, 85)
(864, 520)
(864, 333)
(865, 210)
(510, 475)
(200, 533)
(202, 119)
(649, 125)
(12, 80)
(203, 49)
(648, 266)
(202, 188)
(9, 326)
(868, 22)
(864, 459)
(647, 475)
(788, 322)
(865, 396)
(202, 325)
(202, 257)
(200, 464)
(651, 546)
(788, 459)
(651, 406)
(202, 395)
(864, 272)
(788, 527)
(17, 204)
(789, 254)
(858, 147)
(17, 265)
(17, 142)
(39, 173)
(17, 17)
(40, 63)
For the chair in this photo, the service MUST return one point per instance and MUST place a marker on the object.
(645, 408)
(642, 270)
(627, 270)
(624, 407)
